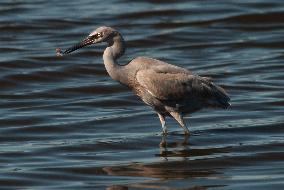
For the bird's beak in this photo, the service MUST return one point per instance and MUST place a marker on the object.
(87, 41)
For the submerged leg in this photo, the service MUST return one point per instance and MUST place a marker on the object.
(180, 120)
(163, 122)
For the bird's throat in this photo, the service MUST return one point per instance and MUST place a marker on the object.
(117, 46)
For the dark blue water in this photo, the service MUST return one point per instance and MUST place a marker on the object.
(64, 123)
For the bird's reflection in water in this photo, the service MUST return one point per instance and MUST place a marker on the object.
(178, 148)
(117, 187)
(177, 164)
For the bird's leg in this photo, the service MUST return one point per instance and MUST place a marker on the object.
(163, 122)
(180, 120)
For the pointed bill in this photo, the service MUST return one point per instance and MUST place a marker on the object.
(87, 41)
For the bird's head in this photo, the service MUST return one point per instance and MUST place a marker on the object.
(101, 34)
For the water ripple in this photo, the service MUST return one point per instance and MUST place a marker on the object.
(65, 124)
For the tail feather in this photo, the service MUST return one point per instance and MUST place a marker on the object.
(219, 97)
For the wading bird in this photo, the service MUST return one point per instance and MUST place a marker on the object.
(170, 90)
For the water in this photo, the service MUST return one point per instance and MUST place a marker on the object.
(65, 124)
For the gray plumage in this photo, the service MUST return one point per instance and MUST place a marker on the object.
(170, 90)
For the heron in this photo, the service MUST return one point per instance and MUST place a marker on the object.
(170, 90)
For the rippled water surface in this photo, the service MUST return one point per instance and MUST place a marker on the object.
(65, 124)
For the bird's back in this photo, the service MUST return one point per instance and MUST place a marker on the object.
(142, 63)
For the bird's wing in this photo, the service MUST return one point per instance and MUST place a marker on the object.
(175, 86)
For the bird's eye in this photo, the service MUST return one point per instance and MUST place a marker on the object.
(99, 35)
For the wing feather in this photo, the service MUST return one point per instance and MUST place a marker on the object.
(180, 86)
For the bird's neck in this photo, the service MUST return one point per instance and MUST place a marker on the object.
(115, 49)
(118, 46)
